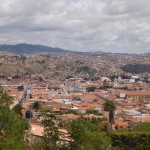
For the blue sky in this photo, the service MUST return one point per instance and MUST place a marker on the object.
(81, 25)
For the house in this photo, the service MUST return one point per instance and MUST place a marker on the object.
(136, 95)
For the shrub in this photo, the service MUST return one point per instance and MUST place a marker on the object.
(131, 140)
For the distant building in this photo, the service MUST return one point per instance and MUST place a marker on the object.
(136, 95)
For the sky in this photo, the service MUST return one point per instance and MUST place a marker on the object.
(81, 25)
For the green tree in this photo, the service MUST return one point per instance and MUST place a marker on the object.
(105, 87)
(1, 90)
(30, 96)
(5, 118)
(20, 88)
(5, 99)
(110, 107)
(92, 111)
(11, 130)
(87, 134)
(14, 134)
(71, 112)
(131, 140)
(52, 135)
(18, 110)
(11, 127)
(90, 89)
(36, 106)
(143, 127)
(95, 141)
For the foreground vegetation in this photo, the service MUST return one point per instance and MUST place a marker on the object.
(12, 125)
(85, 134)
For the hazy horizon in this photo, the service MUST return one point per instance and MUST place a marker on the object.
(119, 26)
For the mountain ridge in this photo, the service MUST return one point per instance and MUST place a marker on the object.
(24, 48)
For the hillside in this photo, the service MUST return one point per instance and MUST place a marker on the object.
(136, 68)
(60, 65)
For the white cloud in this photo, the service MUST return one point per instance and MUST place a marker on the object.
(86, 25)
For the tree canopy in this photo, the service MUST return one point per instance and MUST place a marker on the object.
(110, 107)
(12, 127)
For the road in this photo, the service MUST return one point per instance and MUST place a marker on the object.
(97, 95)
(22, 97)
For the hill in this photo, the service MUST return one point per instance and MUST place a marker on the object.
(147, 54)
(25, 48)
(31, 49)
(136, 68)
